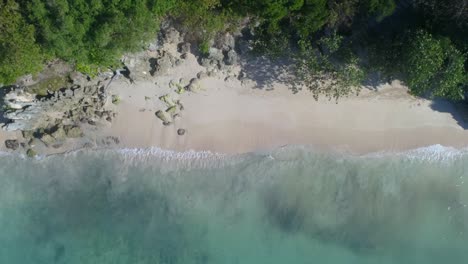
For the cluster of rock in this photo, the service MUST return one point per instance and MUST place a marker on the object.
(49, 117)
(222, 54)
(51, 120)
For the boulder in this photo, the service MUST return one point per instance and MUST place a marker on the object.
(73, 132)
(47, 139)
(215, 54)
(167, 100)
(194, 85)
(202, 75)
(31, 153)
(231, 58)
(181, 132)
(161, 64)
(171, 36)
(226, 42)
(59, 134)
(153, 46)
(12, 144)
(171, 110)
(163, 117)
(184, 47)
(33, 142)
(19, 99)
(79, 79)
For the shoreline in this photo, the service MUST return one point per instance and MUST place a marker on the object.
(229, 113)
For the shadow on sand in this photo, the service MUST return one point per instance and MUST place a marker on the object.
(459, 111)
(267, 71)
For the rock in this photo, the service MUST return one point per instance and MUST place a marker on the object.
(167, 100)
(181, 132)
(73, 132)
(12, 144)
(242, 75)
(226, 42)
(215, 54)
(184, 81)
(59, 134)
(172, 36)
(231, 58)
(194, 85)
(171, 110)
(31, 153)
(47, 139)
(115, 99)
(163, 117)
(153, 47)
(184, 47)
(19, 99)
(33, 142)
(68, 93)
(24, 80)
(202, 75)
(161, 64)
(79, 79)
(230, 79)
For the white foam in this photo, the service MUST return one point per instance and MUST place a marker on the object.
(429, 153)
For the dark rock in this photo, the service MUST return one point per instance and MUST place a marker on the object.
(163, 117)
(226, 42)
(231, 58)
(202, 75)
(184, 47)
(73, 132)
(181, 132)
(162, 63)
(88, 145)
(47, 139)
(171, 35)
(59, 134)
(194, 85)
(12, 144)
(215, 54)
(31, 153)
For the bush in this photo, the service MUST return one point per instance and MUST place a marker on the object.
(19, 53)
(433, 66)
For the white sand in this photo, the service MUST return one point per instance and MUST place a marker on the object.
(228, 117)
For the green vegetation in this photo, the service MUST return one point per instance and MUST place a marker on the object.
(434, 67)
(48, 85)
(425, 44)
(19, 53)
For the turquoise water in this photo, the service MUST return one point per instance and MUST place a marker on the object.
(292, 205)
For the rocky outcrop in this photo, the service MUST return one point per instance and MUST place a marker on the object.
(161, 64)
(12, 144)
(51, 120)
(222, 54)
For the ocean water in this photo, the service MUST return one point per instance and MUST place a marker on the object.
(291, 205)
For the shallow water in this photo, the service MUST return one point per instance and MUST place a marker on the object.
(292, 205)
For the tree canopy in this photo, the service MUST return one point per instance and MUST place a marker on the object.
(93, 33)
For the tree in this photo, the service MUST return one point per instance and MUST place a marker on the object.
(19, 53)
(330, 69)
(94, 32)
(433, 66)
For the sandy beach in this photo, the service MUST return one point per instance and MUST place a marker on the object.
(233, 115)
(237, 117)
